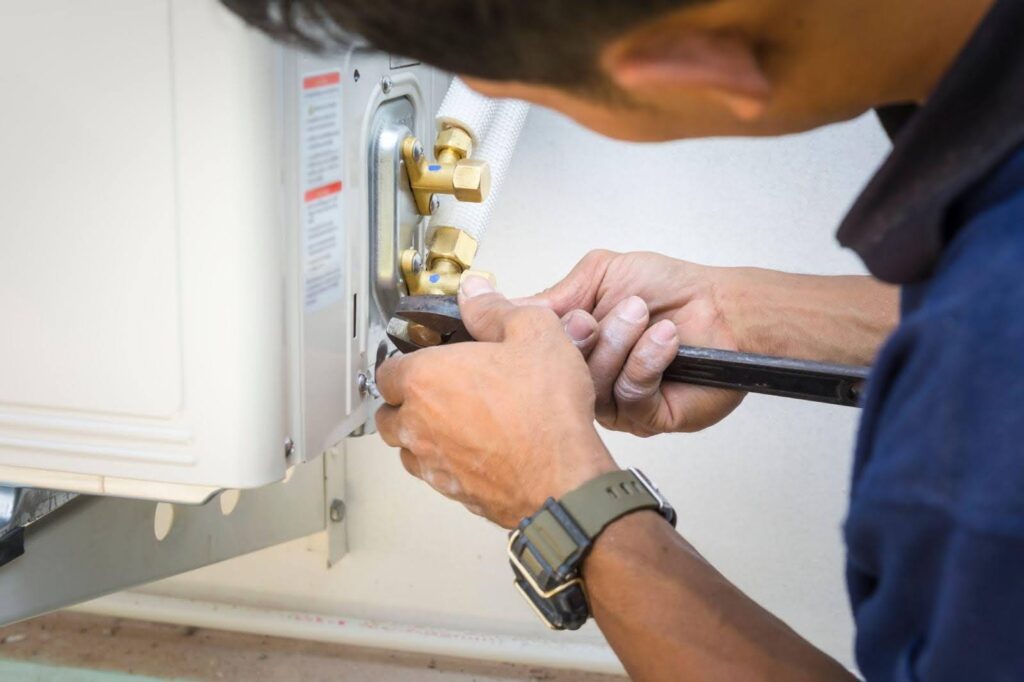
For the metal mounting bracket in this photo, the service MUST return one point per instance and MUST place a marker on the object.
(100, 545)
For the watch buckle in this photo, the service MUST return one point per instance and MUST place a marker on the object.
(664, 508)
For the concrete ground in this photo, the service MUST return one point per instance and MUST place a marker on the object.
(74, 647)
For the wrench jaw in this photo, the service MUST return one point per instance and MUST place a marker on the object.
(410, 336)
(398, 332)
(425, 321)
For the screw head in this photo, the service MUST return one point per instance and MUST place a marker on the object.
(417, 263)
(355, 75)
(385, 85)
(289, 447)
(434, 203)
(337, 510)
(362, 383)
(417, 151)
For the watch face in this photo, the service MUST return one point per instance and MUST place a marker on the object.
(562, 607)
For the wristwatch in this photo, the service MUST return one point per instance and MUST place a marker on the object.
(547, 549)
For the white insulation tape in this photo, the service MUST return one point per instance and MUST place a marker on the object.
(463, 108)
(496, 148)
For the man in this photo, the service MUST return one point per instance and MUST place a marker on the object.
(935, 532)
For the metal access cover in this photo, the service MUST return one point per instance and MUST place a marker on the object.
(394, 222)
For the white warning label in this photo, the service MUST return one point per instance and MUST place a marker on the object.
(320, 177)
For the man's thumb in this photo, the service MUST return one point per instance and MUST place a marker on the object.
(484, 310)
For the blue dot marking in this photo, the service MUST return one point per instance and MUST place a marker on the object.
(434, 167)
(434, 279)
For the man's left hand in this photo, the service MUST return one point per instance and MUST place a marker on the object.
(499, 425)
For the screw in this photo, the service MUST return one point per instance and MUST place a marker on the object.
(337, 512)
(355, 75)
(417, 151)
(367, 386)
(434, 203)
(417, 263)
(289, 447)
(385, 84)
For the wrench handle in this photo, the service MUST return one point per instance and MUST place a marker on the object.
(801, 379)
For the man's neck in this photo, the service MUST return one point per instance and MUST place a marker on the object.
(931, 45)
(838, 58)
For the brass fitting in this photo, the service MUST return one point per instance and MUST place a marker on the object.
(453, 173)
(450, 254)
(452, 245)
(453, 144)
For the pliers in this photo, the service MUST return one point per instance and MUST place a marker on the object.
(423, 321)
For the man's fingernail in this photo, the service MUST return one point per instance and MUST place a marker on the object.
(633, 310)
(475, 286)
(578, 327)
(664, 332)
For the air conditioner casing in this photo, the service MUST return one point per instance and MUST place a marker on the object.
(184, 259)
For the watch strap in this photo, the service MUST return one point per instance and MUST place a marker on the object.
(563, 541)
(547, 549)
(608, 497)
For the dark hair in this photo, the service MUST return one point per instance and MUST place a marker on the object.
(555, 42)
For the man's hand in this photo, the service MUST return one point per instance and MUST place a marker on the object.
(499, 425)
(628, 314)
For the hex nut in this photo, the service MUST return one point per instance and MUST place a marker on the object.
(471, 180)
(454, 139)
(453, 244)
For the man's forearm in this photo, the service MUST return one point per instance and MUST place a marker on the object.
(831, 319)
(669, 615)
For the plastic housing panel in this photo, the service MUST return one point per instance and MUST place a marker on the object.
(141, 259)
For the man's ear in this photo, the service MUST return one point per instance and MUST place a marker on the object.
(674, 60)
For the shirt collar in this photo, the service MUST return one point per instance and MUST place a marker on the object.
(973, 122)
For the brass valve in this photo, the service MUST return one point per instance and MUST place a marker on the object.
(453, 172)
(450, 254)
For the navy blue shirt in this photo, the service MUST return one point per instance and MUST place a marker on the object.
(935, 531)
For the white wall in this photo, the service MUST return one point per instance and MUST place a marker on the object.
(762, 495)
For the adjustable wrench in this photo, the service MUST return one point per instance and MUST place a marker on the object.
(423, 321)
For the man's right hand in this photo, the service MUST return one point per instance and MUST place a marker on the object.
(628, 314)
